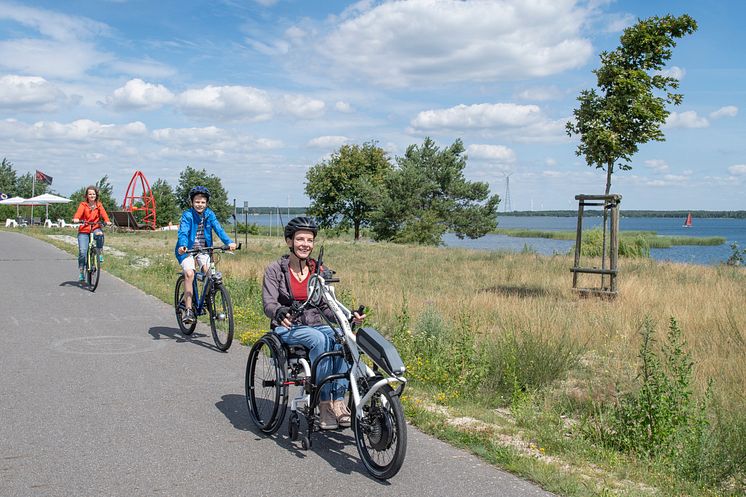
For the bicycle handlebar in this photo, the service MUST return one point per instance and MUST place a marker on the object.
(224, 248)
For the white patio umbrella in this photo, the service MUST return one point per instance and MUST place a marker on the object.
(13, 201)
(45, 199)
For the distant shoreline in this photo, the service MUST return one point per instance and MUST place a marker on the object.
(558, 213)
(629, 213)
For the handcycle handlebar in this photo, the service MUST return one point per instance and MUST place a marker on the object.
(224, 248)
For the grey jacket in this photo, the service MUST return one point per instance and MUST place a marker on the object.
(276, 293)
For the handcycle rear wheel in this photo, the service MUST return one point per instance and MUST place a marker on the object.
(266, 391)
(93, 269)
(179, 307)
(221, 317)
(381, 433)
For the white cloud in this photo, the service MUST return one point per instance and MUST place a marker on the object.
(138, 94)
(303, 107)
(228, 102)
(619, 22)
(737, 170)
(437, 41)
(495, 153)
(343, 106)
(328, 141)
(674, 72)
(550, 162)
(61, 50)
(266, 3)
(659, 166)
(540, 93)
(29, 94)
(727, 111)
(687, 119)
(477, 116)
(81, 130)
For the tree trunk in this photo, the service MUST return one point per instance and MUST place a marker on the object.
(357, 230)
(609, 172)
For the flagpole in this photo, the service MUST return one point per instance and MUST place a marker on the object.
(33, 194)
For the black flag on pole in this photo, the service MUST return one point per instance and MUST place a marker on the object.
(44, 178)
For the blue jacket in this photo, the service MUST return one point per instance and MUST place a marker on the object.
(188, 230)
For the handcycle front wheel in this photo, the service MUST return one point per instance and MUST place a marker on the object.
(92, 269)
(381, 434)
(266, 391)
(221, 317)
(180, 309)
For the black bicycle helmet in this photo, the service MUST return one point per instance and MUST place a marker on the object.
(300, 223)
(199, 190)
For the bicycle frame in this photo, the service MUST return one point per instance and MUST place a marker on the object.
(319, 288)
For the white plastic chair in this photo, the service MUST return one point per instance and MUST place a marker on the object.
(12, 223)
(50, 224)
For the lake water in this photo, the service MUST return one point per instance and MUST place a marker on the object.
(733, 230)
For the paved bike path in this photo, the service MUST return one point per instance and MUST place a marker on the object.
(101, 395)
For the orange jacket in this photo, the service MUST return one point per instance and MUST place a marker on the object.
(85, 213)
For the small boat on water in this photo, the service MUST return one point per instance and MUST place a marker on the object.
(688, 222)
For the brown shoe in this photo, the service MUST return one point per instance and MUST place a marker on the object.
(344, 418)
(327, 418)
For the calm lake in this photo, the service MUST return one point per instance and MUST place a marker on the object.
(733, 230)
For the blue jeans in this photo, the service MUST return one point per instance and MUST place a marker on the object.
(319, 340)
(83, 239)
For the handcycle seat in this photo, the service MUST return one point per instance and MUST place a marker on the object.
(295, 351)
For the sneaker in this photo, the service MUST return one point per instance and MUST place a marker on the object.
(100, 258)
(188, 317)
(81, 278)
(327, 418)
(344, 416)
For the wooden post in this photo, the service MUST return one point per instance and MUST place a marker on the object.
(610, 202)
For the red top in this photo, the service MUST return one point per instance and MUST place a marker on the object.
(85, 213)
(299, 289)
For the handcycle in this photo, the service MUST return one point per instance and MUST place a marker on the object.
(213, 300)
(92, 268)
(374, 391)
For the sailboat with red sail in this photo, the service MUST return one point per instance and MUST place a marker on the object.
(688, 222)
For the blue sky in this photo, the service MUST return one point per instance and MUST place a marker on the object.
(257, 91)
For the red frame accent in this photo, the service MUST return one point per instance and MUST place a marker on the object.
(147, 199)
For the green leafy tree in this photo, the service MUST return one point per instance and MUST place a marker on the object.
(25, 186)
(428, 195)
(626, 111)
(191, 177)
(8, 178)
(346, 189)
(167, 208)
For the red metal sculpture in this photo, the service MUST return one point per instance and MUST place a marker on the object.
(144, 202)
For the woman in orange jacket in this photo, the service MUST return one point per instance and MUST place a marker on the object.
(91, 210)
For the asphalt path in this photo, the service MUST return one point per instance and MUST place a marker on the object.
(101, 395)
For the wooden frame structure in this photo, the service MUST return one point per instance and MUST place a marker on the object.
(610, 205)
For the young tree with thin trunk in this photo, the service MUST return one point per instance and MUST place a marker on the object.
(628, 108)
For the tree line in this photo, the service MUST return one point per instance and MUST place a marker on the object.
(415, 198)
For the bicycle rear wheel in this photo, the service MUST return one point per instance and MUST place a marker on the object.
(221, 317)
(266, 391)
(94, 269)
(381, 433)
(180, 309)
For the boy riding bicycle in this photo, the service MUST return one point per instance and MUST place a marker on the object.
(195, 231)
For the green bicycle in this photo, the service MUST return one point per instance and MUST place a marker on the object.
(92, 268)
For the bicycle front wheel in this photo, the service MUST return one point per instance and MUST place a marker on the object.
(381, 434)
(180, 308)
(94, 269)
(221, 317)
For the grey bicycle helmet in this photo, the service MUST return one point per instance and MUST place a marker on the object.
(199, 190)
(300, 223)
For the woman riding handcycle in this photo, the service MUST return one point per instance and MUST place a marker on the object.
(312, 345)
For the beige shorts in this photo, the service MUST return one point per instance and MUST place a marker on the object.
(202, 259)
